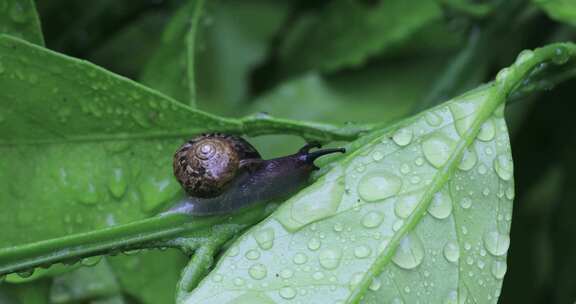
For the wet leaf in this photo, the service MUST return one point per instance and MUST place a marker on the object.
(421, 213)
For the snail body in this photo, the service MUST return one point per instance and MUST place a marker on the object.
(223, 173)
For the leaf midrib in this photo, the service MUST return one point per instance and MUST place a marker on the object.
(442, 176)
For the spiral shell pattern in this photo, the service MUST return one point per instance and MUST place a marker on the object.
(205, 165)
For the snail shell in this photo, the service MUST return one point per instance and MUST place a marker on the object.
(223, 173)
(207, 164)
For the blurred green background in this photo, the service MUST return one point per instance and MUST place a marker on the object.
(342, 61)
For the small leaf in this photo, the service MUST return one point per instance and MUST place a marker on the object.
(422, 213)
(559, 10)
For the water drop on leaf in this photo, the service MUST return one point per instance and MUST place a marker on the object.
(437, 150)
(451, 252)
(402, 137)
(410, 252)
(497, 244)
(378, 185)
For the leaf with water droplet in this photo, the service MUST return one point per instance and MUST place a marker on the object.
(407, 225)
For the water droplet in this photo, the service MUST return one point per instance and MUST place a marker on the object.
(356, 279)
(286, 273)
(503, 166)
(468, 160)
(497, 244)
(437, 150)
(402, 137)
(410, 252)
(524, 56)
(314, 244)
(377, 156)
(338, 227)
(404, 206)
(26, 273)
(239, 282)
(419, 161)
(300, 258)
(463, 113)
(452, 297)
(502, 75)
(372, 219)
(480, 264)
(318, 275)
(451, 252)
(469, 260)
(264, 238)
(397, 225)
(118, 183)
(375, 284)
(330, 258)
(465, 202)
(233, 251)
(258, 271)
(499, 269)
(397, 301)
(433, 119)
(378, 185)
(510, 193)
(362, 251)
(486, 192)
(91, 261)
(487, 131)
(252, 254)
(441, 205)
(287, 292)
(405, 169)
(482, 169)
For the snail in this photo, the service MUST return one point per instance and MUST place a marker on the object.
(221, 173)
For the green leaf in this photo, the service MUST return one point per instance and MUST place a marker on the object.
(422, 211)
(84, 149)
(144, 278)
(167, 70)
(419, 212)
(347, 33)
(19, 18)
(559, 10)
(99, 144)
(230, 39)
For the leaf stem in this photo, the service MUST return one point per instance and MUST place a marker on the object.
(153, 232)
(191, 50)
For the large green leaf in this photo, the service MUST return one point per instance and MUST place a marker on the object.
(422, 213)
(19, 18)
(346, 33)
(560, 10)
(71, 184)
(81, 147)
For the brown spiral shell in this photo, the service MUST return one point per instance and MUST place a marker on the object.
(206, 164)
